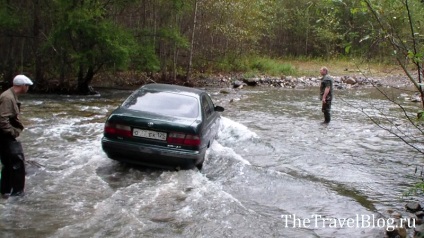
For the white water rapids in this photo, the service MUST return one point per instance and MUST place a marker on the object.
(273, 168)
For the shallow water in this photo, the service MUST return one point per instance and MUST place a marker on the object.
(273, 168)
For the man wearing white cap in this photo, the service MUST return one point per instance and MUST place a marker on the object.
(12, 157)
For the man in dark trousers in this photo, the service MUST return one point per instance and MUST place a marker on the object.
(326, 94)
(12, 156)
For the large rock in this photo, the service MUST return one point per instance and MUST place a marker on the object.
(397, 229)
(419, 231)
(238, 84)
(252, 81)
(413, 207)
(350, 80)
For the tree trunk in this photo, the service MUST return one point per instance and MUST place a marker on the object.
(174, 64)
(189, 68)
(37, 40)
(84, 87)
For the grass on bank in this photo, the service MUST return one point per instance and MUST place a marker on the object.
(256, 65)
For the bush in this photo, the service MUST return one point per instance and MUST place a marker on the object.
(254, 65)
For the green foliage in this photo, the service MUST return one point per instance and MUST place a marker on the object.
(7, 21)
(144, 57)
(87, 39)
(255, 65)
(420, 115)
(418, 188)
(271, 66)
(148, 34)
(174, 36)
(400, 25)
(242, 23)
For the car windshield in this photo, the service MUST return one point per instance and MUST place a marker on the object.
(163, 103)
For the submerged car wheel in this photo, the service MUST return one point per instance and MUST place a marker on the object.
(199, 165)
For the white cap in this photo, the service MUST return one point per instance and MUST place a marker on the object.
(22, 80)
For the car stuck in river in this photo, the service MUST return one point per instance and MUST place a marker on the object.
(162, 125)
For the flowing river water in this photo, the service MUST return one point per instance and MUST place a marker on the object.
(274, 171)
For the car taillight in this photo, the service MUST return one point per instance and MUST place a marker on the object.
(192, 140)
(183, 139)
(117, 130)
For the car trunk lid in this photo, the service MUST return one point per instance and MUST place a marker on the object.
(149, 128)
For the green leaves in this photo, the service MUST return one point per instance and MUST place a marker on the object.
(7, 21)
(240, 20)
(86, 37)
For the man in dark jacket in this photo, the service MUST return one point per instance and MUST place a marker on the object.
(12, 157)
(326, 93)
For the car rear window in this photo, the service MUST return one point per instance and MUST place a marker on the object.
(163, 103)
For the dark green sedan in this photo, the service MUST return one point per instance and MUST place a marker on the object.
(162, 125)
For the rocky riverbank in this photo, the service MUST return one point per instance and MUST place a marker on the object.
(340, 82)
(410, 224)
(238, 81)
(289, 82)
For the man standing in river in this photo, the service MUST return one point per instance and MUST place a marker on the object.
(326, 94)
(12, 156)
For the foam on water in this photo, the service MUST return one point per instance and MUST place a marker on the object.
(218, 150)
(231, 131)
(268, 160)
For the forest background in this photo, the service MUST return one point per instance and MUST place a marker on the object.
(64, 45)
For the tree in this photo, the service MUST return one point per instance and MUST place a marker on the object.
(85, 41)
(15, 37)
(71, 41)
(400, 28)
(400, 24)
(230, 29)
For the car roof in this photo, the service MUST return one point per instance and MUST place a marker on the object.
(172, 88)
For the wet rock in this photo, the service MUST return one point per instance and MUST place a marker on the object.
(360, 80)
(411, 221)
(290, 79)
(397, 229)
(419, 231)
(396, 215)
(338, 80)
(350, 80)
(399, 226)
(224, 91)
(397, 233)
(251, 81)
(420, 214)
(238, 84)
(413, 207)
(416, 98)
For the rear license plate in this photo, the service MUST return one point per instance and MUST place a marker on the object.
(149, 134)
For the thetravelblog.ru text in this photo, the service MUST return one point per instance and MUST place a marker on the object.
(359, 221)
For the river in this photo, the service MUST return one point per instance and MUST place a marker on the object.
(274, 171)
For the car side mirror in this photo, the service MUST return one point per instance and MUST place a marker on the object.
(219, 109)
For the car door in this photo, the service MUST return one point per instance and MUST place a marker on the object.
(211, 121)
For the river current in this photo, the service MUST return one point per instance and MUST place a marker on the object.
(274, 171)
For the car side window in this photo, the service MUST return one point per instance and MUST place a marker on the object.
(207, 105)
